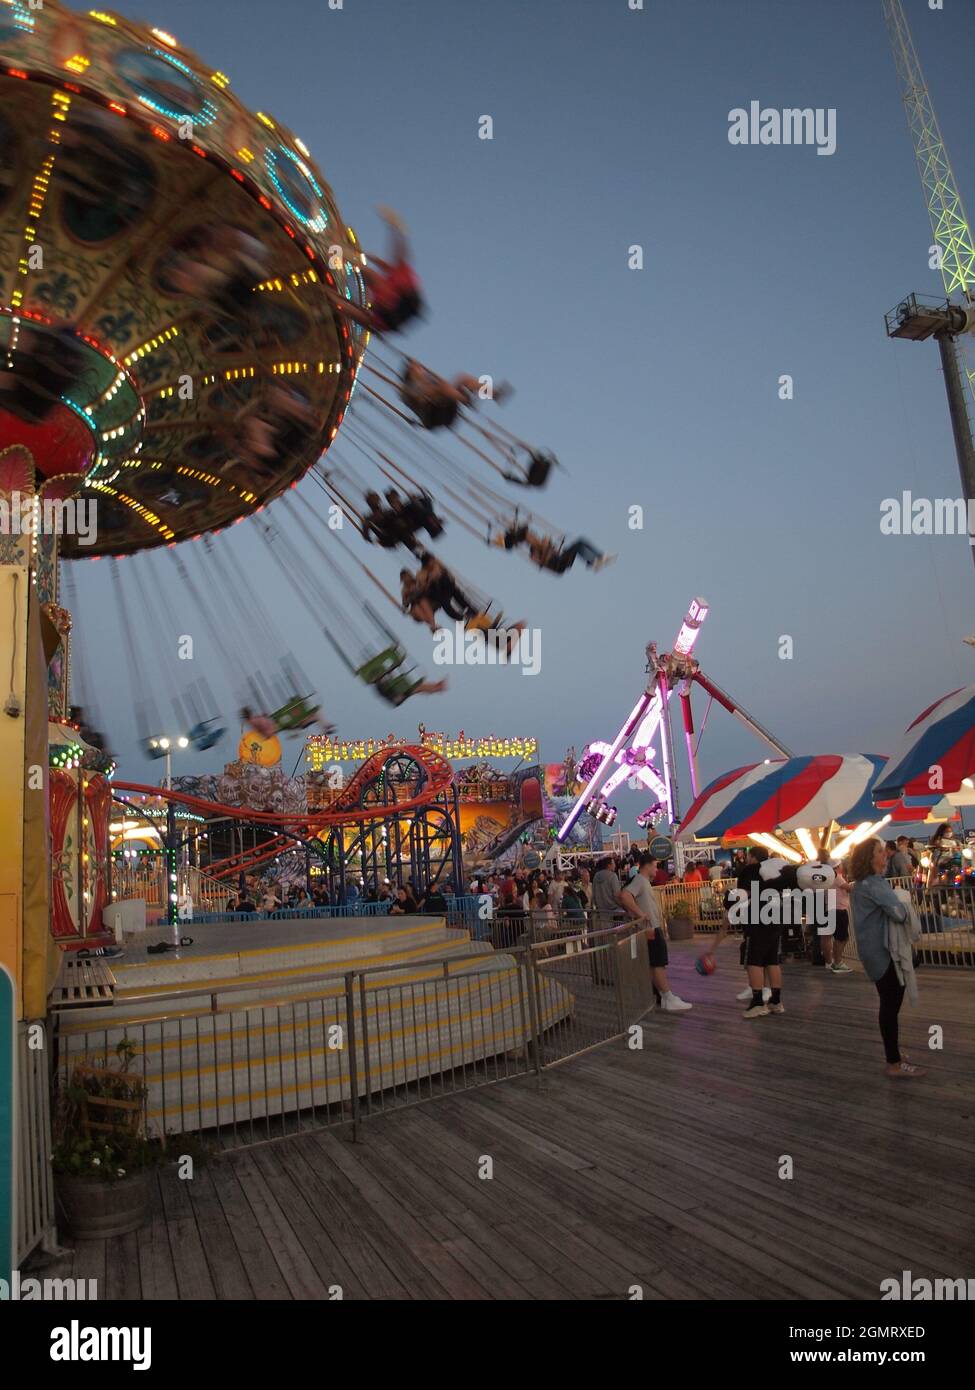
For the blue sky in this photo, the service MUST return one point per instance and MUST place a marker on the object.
(658, 387)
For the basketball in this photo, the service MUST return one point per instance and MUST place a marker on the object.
(705, 965)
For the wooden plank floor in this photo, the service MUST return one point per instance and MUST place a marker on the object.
(657, 1167)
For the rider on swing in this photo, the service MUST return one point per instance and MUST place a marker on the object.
(431, 588)
(296, 714)
(393, 685)
(547, 554)
(434, 400)
(393, 286)
(398, 523)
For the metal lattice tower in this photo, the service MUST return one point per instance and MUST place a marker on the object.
(951, 228)
(950, 324)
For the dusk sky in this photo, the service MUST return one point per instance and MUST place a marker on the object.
(655, 387)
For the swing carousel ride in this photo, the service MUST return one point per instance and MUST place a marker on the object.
(190, 332)
(184, 317)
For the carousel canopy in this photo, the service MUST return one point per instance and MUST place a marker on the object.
(784, 794)
(125, 159)
(938, 748)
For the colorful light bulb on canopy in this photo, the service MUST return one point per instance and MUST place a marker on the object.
(112, 370)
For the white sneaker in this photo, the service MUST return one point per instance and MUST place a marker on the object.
(747, 994)
(673, 1005)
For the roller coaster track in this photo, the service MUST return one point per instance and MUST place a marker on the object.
(435, 778)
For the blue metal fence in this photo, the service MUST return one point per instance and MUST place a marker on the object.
(461, 912)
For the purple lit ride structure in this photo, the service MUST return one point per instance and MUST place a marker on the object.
(631, 756)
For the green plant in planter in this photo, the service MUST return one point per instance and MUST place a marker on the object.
(100, 1152)
(102, 1160)
(680, 920)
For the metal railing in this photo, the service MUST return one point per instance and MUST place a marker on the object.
(461, 912)
(947, 916)
(340, 1047)
(149, 881)
(34, 1183)
(704, 902)
(946, 912)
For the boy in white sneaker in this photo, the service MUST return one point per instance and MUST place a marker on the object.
(642, 904)
(737, 902)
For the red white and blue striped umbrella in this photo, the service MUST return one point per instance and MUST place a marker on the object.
(785, 794)
(943, 738)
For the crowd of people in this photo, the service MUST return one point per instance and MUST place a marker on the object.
(886, 925)
(522, 905)
(398, 898)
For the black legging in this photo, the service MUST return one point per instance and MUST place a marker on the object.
(891, 993)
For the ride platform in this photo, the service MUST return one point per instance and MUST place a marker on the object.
(268, 1017)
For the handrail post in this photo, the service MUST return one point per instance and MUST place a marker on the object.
(350, 1044)
(531, 985)
(366, 1060)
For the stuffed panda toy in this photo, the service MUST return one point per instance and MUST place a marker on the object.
(820, 878)
(778, 874)
(817, 876)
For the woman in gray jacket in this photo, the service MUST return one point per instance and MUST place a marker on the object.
(875, 905)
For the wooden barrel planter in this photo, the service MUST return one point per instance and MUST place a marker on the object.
(680, 924)
(107, 1110)
(95, 1210)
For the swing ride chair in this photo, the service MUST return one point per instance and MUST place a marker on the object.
(381, 665)
(204, 735)
(297, 714)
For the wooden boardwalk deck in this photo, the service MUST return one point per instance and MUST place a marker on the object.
(657, 1168)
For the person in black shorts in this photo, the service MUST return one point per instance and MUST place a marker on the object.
(640, 902)
(763, 952)
(738, 905)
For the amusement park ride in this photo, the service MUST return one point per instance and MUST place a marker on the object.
(918, 318)
(184, 317)
(118, 389)
(670, 672)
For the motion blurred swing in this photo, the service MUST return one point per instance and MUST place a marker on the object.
(378, 668)
(204, 730)
(294, 711)
(454, 594)
(499, 521)
(289, 710)
(516, 461)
